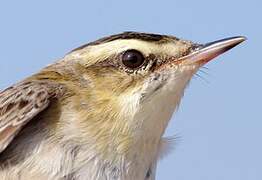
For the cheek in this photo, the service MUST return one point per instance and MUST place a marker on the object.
(110, 81)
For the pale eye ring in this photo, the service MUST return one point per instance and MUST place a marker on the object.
(132, 59)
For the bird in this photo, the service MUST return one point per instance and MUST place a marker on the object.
(100, 111)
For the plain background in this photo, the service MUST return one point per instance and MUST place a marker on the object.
(219, 122)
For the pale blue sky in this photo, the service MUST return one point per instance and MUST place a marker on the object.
(219, 122)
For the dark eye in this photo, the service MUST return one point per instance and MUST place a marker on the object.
(133, 59)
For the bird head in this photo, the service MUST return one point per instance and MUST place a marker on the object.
(131, 83)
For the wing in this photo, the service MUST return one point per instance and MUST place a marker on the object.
(21, 103)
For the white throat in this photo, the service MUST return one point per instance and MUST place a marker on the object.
(151, 117)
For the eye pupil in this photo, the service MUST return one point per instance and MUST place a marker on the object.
(133, 59)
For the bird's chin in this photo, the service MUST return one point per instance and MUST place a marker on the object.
(169, 83)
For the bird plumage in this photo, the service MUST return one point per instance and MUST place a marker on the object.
(93, 116)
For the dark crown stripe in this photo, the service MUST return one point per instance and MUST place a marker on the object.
(125, 35)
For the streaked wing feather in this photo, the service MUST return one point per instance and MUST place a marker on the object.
(19, 104)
